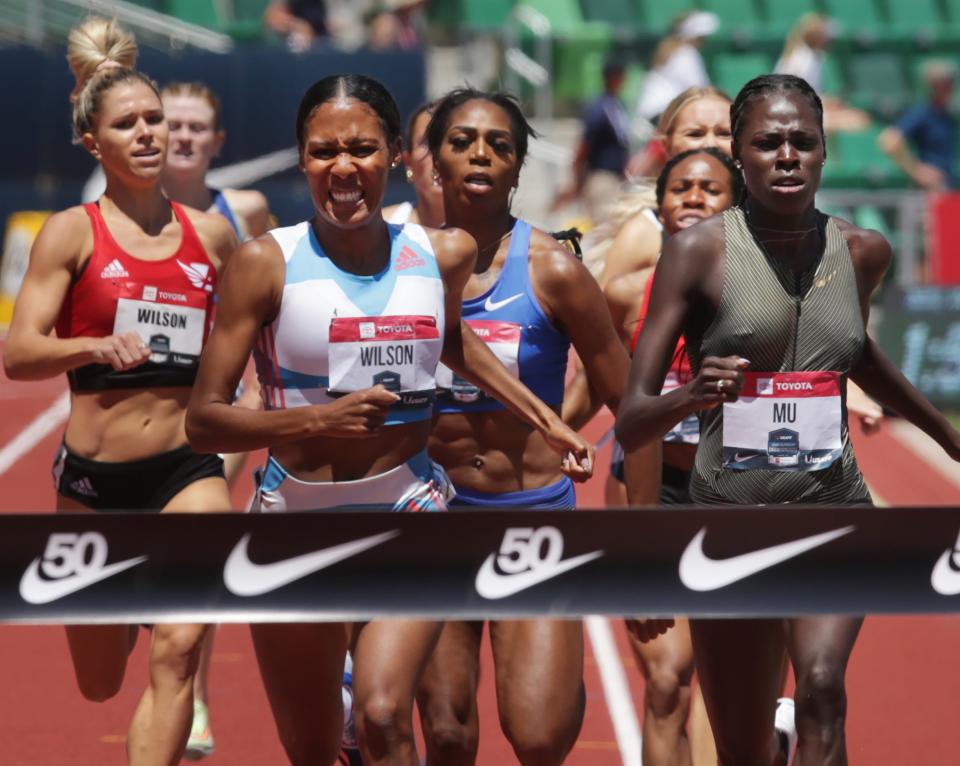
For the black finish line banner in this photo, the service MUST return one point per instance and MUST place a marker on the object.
(234, 567)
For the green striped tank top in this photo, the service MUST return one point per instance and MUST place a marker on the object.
(781, 321)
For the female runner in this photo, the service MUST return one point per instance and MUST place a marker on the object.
(772, 290)
(529, 298)
(693, 185)
(196, 137)
(697, 118)
(113, 277)
(419, 171)
(341, 433)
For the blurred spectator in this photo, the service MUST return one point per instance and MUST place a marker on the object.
(923, 140)
(677, 63)
(301, 22)
(804, 54)
(604, 149)
(397, 26)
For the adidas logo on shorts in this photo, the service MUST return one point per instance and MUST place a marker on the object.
(114, 270)
(83, 487)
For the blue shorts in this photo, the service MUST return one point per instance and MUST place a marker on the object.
(560, 496)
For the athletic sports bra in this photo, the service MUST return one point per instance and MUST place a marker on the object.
(169, 302)
(783, 323)
(222, 206)
(338, 332)
(402, 213)
(687, 431)
(512, 323)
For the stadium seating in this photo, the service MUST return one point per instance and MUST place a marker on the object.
(859, 20)
(915, 22)
(657, 15)
(782, 14)
(878, 83)
(739, 19)
(862, 162)
(731, 71)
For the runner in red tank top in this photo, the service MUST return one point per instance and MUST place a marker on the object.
(128, 284)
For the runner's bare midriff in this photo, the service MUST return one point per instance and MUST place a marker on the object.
(493, 452)
(325, 458)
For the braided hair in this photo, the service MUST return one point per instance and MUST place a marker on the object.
(766, 84)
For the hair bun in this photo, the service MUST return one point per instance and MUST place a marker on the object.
(95, 44)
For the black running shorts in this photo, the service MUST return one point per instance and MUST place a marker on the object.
(135, 485)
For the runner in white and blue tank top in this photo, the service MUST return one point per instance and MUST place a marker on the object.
(530, 300)
(349, 316)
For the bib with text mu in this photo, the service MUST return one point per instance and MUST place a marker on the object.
(173, 323)
(784, 421)
(399, 352)
(503, 339)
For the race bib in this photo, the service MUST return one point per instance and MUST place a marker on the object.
(172, 323)
(784, 421)
(687, 431)
(400, 353)
(503, 339)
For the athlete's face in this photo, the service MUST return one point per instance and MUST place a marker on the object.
(700, 124)
(478, 157)
(130, 135)
(194, 140)
(346, 157)
(697, 188)
(782, 153)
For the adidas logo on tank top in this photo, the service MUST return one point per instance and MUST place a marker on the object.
(114, 270)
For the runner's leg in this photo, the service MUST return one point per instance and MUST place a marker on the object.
(540, 693)
(447, 697)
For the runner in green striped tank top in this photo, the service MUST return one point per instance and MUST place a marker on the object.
(772, 299)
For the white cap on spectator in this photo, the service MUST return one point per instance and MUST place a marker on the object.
(698, 24)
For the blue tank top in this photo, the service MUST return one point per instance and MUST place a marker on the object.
(224, 209)
(513, 324)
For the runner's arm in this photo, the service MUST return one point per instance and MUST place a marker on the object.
(32, 350)
(874, 372)
(467, 355)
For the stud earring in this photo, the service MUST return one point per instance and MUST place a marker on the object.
(409, 175)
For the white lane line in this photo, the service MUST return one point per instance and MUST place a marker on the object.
(925, 448)
(46, 422)
(623, 714)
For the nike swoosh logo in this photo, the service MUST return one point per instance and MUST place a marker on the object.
(945, 578)
(492, 585)
(701, 573)
(36, 590)
(491, 305)
(245, 578)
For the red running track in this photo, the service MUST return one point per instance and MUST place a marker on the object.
(901, 679)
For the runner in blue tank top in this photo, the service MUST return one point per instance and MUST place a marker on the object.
(350, 316)
(529, 299)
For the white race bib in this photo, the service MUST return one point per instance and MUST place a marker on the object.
(687, 431)
(399, 352)
(503, 339)
(784, 421)
(172, 323)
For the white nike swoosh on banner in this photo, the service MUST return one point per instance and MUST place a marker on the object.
(944, 578)
(492, 585)
(245, 578)
(701, 573)
(491, 305)
(36, 590)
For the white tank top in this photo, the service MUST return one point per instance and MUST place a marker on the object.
(338, 332)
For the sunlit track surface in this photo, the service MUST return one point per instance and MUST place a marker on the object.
(901, 680)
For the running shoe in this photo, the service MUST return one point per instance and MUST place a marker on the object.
(349, 753)
(784, 722)
(200, 744)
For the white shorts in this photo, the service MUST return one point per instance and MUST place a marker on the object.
(416, 485)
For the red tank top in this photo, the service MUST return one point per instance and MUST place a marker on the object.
(680, 366)
(168, 302)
